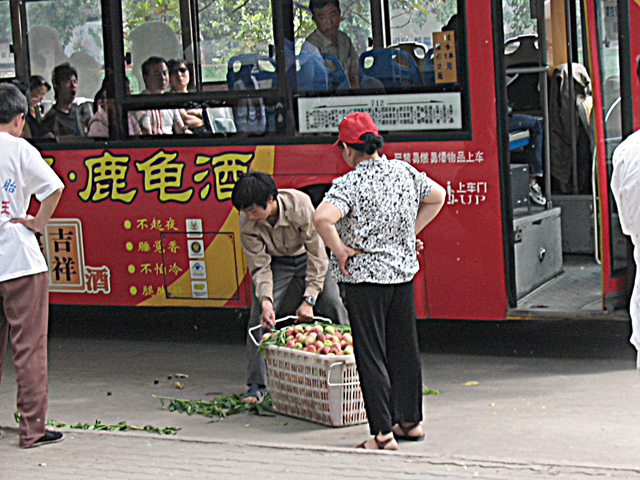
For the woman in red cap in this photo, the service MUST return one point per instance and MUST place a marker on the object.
(370, 219)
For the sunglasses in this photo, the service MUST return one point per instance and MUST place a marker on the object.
(181, 70)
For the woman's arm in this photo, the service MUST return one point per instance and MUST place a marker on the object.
(325, 219)
(430, 206)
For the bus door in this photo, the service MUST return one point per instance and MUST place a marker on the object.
(568, 262)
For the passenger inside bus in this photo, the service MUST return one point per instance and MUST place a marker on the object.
(99, 122)
(38, 88)
(530, 154)
(179, 79)
(166, 121)
(329, 39)
(66, 118)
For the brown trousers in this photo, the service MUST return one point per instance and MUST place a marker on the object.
(26, 319)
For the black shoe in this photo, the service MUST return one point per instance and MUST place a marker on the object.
(48, 437)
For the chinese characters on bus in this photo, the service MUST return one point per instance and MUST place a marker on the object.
(162, 173)
(466, 193)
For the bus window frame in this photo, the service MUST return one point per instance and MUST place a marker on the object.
(279, 95)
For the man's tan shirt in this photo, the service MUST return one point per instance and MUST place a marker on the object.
(293, 234)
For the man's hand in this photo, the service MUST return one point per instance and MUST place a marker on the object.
(304, 312)
(419, 245)
(30, 222)
(268, 317)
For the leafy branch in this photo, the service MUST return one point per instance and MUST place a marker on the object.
(220, 407)
(109, 427)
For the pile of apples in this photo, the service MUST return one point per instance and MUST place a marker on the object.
(321, 338)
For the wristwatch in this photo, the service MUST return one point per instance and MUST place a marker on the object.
(310, 300)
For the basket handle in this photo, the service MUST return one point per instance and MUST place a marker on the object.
(290, 317)
(337, 384)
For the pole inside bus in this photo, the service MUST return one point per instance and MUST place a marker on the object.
(538, 10)
(572, 99)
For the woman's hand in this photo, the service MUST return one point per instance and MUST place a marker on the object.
(345, 254)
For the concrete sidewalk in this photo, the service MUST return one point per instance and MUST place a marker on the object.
(527, 417)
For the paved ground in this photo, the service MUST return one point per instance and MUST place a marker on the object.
(552, 400)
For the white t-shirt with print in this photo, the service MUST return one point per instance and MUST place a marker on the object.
(23, 173)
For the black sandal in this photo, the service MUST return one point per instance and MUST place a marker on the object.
(405, 433)
(381, 444)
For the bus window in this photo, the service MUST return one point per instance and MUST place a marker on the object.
(7, 64)
(55, 39)
(235, 44)
(147, 34)
(433, 38)
(410, 76)
(330, 37)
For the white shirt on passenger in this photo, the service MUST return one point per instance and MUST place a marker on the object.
(23, 173)
(161, 121)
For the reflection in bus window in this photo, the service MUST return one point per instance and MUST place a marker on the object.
(152, 39)
(7, 63)
(327, 38)
(56, 38)
(420, 34)
(227, 31)
(330, 37)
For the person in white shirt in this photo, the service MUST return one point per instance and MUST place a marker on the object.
(24, 277)
(625, 186)
(166, 121)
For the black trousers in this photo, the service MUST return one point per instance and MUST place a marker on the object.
(386, 349)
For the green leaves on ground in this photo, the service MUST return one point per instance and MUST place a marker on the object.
(219, 407)
(109, 427)
(427, 391)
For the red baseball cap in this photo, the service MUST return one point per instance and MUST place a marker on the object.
(354, 125)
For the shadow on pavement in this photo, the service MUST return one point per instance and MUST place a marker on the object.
(596, 339)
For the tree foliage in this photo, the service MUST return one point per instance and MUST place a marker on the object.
(63, 15)
(517, 17)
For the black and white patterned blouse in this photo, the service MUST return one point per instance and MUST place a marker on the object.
(379, 203)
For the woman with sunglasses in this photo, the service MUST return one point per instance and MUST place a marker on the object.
(179, 79)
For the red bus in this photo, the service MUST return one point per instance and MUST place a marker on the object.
(146, 220)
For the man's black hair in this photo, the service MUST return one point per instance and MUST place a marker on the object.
(317, 4)
(62, 73)
(12, 102)
(253, 188)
